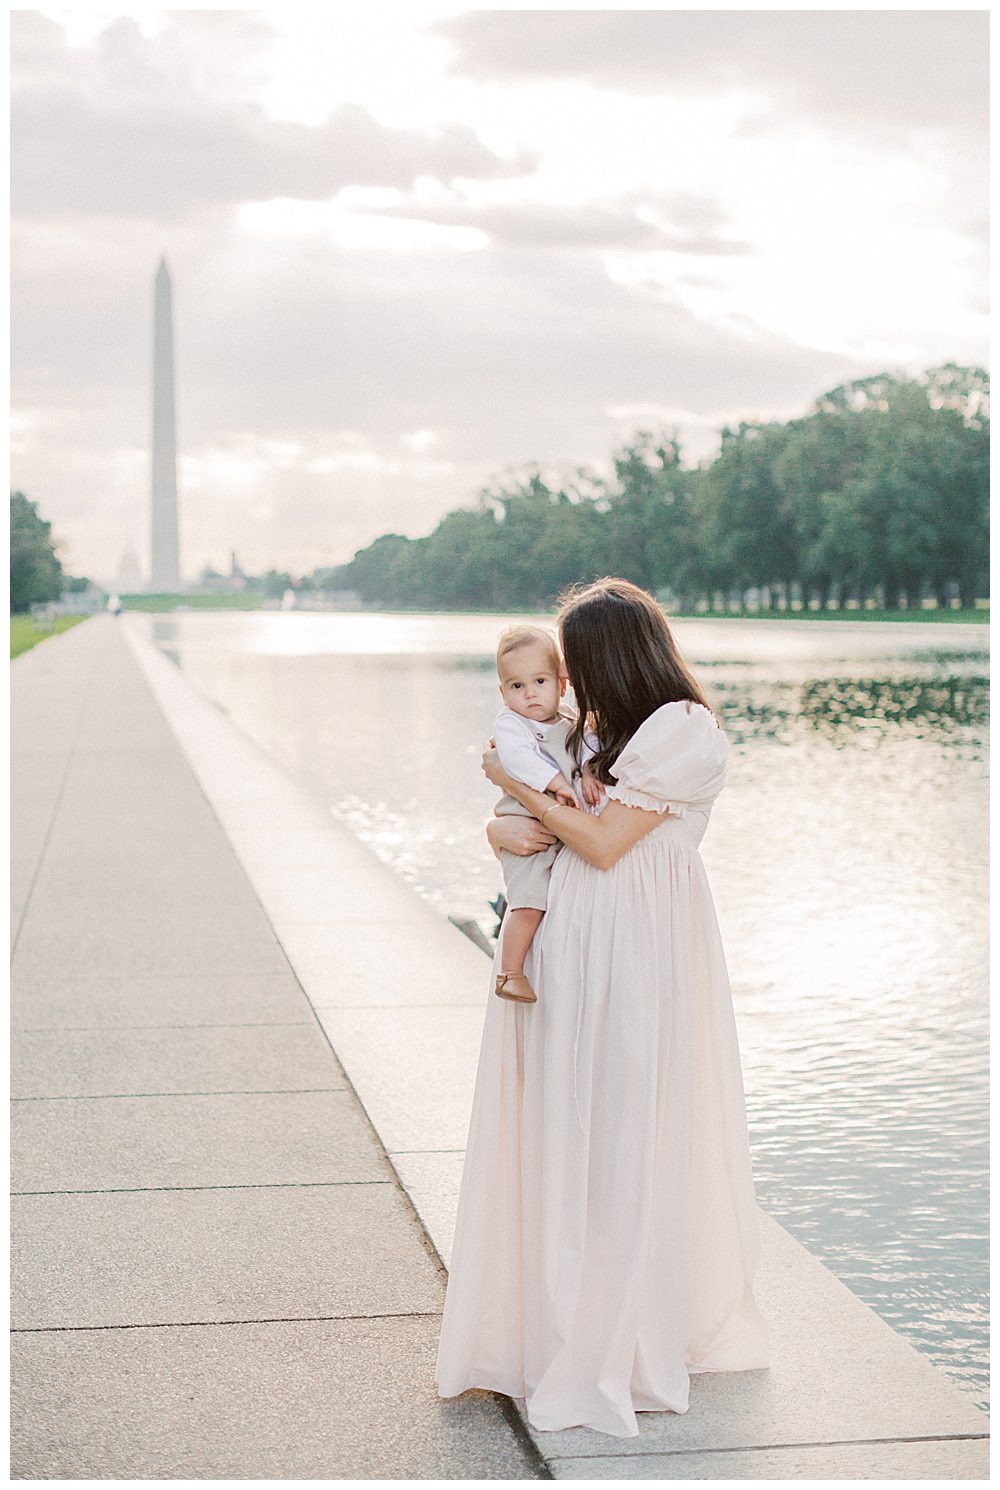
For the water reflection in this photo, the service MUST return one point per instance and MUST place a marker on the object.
(833, 704)
(853, 712)
(848, 859)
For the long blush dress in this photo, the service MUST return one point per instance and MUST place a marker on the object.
(606, 1240)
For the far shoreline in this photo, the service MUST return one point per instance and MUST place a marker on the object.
(979, 616)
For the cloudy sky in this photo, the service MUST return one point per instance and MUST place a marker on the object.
(413, 250)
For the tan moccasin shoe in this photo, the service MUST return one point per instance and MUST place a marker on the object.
(515, 986)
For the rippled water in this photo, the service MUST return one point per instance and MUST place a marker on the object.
(848, 857)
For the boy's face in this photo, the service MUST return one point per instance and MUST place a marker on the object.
(529, 683)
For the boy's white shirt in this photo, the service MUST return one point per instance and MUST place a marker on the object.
(520, 745)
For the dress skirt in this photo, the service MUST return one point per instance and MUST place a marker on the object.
(607, 1241)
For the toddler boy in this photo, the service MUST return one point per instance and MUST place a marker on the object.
(530, 734)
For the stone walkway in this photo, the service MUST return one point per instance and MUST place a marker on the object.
(216, 1273)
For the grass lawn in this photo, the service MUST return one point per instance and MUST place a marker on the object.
(24, 633)
(237, 600)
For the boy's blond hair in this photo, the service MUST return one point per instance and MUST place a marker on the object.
(523, 636)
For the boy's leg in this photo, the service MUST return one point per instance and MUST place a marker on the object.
(519, 927)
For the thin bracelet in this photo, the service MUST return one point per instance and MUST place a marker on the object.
(547, 811)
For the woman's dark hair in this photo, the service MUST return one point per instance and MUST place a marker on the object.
(622, 662)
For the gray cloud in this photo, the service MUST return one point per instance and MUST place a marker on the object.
(593, 225)
(125, 131)
(513, 356)
(884, 70)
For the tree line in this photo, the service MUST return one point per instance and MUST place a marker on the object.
(880, 492)
(36, 573)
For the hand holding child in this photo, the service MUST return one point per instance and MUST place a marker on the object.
(593, 790)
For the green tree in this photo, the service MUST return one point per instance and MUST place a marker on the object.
(397, 571)
(35, 572)
(547, 537)
(747, 534)
(460, 561)
(276, 582)
(569, 547)
(960, 397)
(650, 525)
(820, 456)
(922, 496)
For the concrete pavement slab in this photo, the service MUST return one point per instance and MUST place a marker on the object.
(342, 1399)
(136, 780)
(22, 872)
(103, 1002)
(97, 1063)
(47, 697)
(166, 1257)
(113, 724)
(50, 944)
(205, 886)
(183, 863)
(39, 777)
(134, 1143)
(212, 884)
(31, 808)
(113, 904)
(45, 727)
(111, 826)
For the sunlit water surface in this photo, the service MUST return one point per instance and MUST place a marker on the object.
(849, 864)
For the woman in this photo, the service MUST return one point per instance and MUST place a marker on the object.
(606, 1240)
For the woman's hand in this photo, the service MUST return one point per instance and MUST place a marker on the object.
(592, 788)
(520, 835)
(493, 770)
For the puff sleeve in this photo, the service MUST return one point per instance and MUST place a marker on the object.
(675, 761)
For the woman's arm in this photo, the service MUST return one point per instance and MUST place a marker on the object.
(602, 840)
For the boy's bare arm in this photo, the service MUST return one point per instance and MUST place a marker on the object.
(560, 788)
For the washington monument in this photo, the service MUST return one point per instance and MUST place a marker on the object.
(164, 568)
